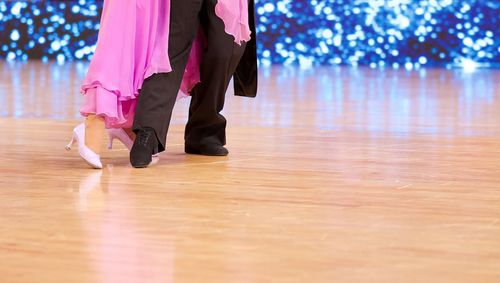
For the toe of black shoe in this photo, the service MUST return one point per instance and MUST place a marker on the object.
(140, 158)
(209, 150)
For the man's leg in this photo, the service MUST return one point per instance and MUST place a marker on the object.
(159, 92)
(206, 128)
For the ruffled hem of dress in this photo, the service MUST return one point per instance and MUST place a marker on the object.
(117, 110)
(243, 34)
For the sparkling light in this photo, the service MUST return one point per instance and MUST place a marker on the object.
(469, 65)
(392, 33)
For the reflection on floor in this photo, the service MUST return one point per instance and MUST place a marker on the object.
(350, 175)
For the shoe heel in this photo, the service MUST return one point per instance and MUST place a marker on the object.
(110, 144)
(71, 143)
(122, 136)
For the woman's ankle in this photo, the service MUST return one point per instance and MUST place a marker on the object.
(94, 133)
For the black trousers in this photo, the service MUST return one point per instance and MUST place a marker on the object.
(159, 92)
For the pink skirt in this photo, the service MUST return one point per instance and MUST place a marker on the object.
(133, 45)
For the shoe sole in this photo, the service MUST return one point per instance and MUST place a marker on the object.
(205, 154)
(92, 165)
(198, 152)
(155, 159)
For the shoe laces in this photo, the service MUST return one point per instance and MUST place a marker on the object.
(143, 137)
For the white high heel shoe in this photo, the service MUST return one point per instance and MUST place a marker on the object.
(92, 158)
(120, 135)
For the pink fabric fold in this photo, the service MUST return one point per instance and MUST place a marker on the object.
(234, 14)
(133, 45)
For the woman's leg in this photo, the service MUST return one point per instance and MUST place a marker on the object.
(94, 132)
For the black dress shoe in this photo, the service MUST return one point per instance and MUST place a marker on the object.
(207, 149)
(145, 145)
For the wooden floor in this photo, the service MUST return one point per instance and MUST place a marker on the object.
(335, 175)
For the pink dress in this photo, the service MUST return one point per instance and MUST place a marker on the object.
(133, 45)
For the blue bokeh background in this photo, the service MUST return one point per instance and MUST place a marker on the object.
(378, 33)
